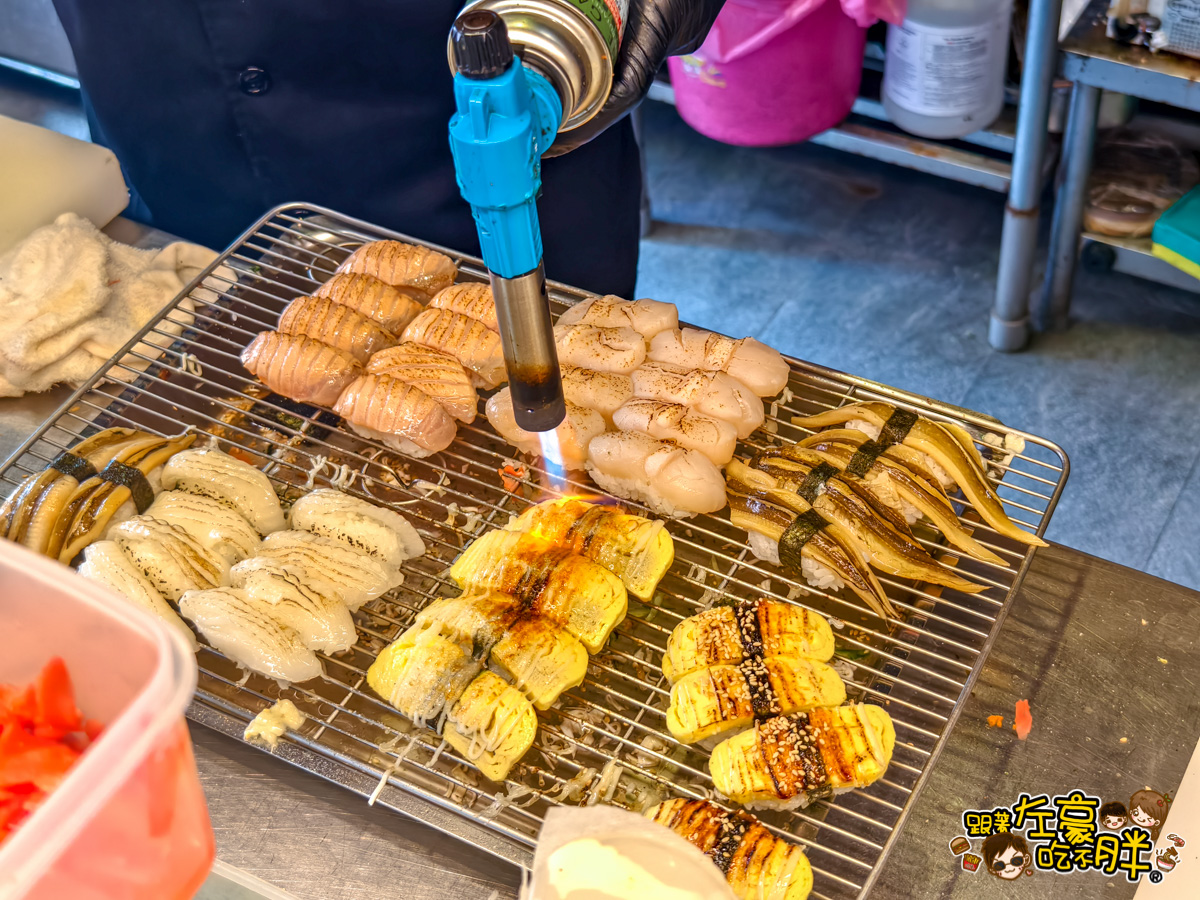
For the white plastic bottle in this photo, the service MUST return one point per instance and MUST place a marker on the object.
(944, 75)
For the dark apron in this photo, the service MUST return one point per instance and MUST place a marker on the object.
(221, 109)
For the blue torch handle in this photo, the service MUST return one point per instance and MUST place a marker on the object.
(501, 128)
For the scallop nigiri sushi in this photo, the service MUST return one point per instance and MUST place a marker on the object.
(668, 479)
(211, 473)
(299, 367)
(438, 374)
(472, 298)
(399, 415)
(647, 317)
(247, 632)
(388, 306)
(601, 391)
(105, 563)
(672, 422)
(618, 350)
(715, 394)
(336, 325)
(403, 265)
(468, 340)
(219, 529)
(751, 362)
(573, 435)
(356, 523)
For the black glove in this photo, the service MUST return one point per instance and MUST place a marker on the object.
(656, 29)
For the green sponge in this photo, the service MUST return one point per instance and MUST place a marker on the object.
(1177, 234)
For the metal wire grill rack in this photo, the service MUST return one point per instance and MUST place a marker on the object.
(183, 371)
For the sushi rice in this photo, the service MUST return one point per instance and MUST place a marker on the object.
(815, 573)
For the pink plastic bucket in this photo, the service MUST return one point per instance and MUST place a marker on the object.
(771, 72)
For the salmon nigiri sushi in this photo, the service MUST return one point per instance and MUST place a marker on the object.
(438, 374)
(403, 265)
(468, 340)
(403, 417)
(472, 299)
(388, 306)
(338, 326)
(300, 368)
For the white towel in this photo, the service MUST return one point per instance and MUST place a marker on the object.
(70, 298)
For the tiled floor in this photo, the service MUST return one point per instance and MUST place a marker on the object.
(890, 274)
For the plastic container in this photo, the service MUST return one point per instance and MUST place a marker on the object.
(771, 72)
(129, 822)
(944, 73)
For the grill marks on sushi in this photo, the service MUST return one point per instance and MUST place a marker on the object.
(671, 422)
(171, 559)
(789, 761)
(602, 391)
(438, 374)
(647, 317)
(950, 448)
(218, 528)
(714, 394)
(668, 479)
(751, 362)
(403, 265)
(757, 865)
(402, 417)
(247, 632)
(300, 367)
(468, 340)
(210, 473)
(322, 622)
(338, 326)
(635, 549)
(574, 434)
(105, 563)
(728, 635)
(470, 298)
(328, 566)
(388, 306)
(492, 725)
(363, 526)
(619, 350)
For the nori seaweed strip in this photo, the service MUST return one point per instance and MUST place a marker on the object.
(75, 466)
(763, 699)
(750, 631)
(130, 477)
(802, 530)
(815, 480)
(864, 458)
(897, 427)
(732, 831)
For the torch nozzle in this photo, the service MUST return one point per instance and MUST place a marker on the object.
(535, 383)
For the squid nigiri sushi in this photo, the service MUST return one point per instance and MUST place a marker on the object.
(468, 340)
(388, 306)
(105, 563)
(672, 422)
(323, 622)
(211, 473)
(299, 367)
(670, 480)
(573, 435)
(438, 374)
(327, 565)
(356, 523)
(647, 317)
(403, 265)
(619, 350)
(751, 362)
(170, 559)
(399, 415)
(472, 298)
(338, 326)
(602, 391)
(219, 529)
(715, 394)
(247, 632)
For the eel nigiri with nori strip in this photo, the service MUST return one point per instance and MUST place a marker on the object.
(946, 448)
(725, 635)
(757, 865)
(789, 761)
(853, 521)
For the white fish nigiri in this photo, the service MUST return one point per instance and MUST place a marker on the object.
(669, 479)
(647, 317)
(672, 422)
(330, 566)
(168, 556)
(601, 391)
(247, 632)
(358, 524)
(323, 623)
(105, 563)
(751, 362)
(572, 436)
(605, 349)
(219, 529)
(211, 473)
(715, 394)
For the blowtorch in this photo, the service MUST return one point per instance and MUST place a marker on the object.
(509, 110)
